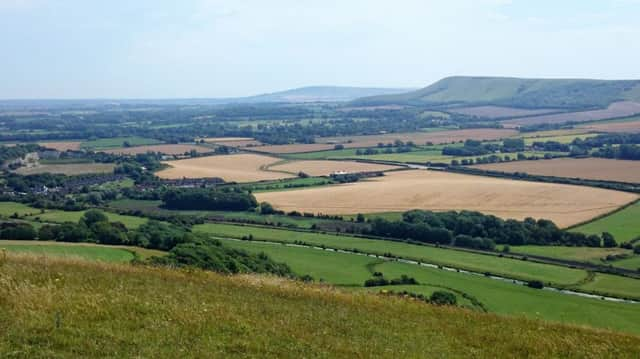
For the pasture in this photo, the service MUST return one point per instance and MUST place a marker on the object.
(459, 259)
(623, 224)
(10, 208)
(497, 296)
(442, 191)
(585, 168)
(581, 254)
(69, 169)
(174, 149)
(231, 168)
(56, 216)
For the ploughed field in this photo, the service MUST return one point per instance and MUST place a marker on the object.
(499, 111)
(615, 110)
(176, 149)
(253, 167)
(621, 126)
(441, 191)
(585, 168)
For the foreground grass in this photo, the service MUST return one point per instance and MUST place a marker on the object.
(624, 224)
(62, 308)
(476, 262)
(496, 296)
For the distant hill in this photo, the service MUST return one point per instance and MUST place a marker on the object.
(322, 94)
(514, 92)
(302, 94)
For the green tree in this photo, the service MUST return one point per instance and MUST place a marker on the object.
(93, 216)
(608, 240)
(443, 298)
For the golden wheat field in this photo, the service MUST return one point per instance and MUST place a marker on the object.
(441, 191)
(231, 168)
(176, 149)
(325, 168)
(420, 138)
(585, 168)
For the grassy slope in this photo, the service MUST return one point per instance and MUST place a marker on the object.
(128, 311)
(83, 250)
(496, 296)
(624, 224)
(481, 263)
(535, 93)
(583, 254)
(86, 252)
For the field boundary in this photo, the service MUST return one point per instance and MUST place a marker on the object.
(604, 215)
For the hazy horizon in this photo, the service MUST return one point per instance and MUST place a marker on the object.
(219, 49)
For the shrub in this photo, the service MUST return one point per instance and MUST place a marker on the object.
(536, 284)
(443, 298)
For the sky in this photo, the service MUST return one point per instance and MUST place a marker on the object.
(216, 48)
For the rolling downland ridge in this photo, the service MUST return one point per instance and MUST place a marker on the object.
(68, 308)
(568, 94)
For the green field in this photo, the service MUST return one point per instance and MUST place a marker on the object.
(606, 283)
(153, 207)
(56, 216)
(68, 309)
(110, 143)
(10, 208)
(288, 184)
(497, 296)
(623, 224)
(90, 252)
(561, 139)
(582, 254)
(477, 262)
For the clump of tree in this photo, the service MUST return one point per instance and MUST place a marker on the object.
(443, 298)
(212, 255)
(226, 199)
(379, 280)
(17, 231)
(479, 231)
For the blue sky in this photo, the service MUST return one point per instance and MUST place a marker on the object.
(215, 48)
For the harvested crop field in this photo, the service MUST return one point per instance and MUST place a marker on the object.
(70, 169)
(615, 110)
(441, 191)
(295, 148)
(231, 168)
(420, 138)
(624, 127)
(177, 149)
(585, 168)
(325, 168)
(499, 112)
(62, 146)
